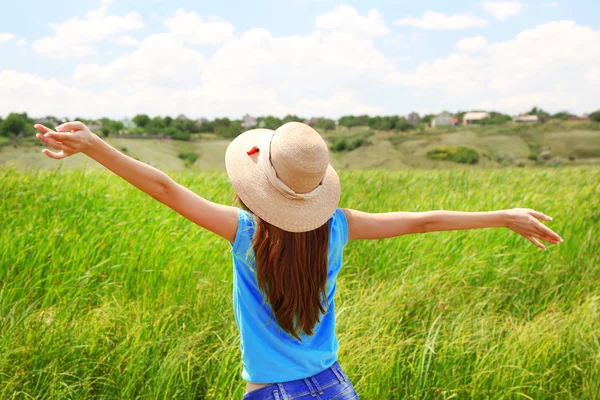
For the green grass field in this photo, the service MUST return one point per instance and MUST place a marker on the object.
(107, 294)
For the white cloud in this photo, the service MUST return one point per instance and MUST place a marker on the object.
(161, 60)
(24, 92)
(341, 102)
(73, 37)
(190, 28)
(127, 41)
(502, 9)
(346, 19)
(436, 20)
(553, 4)
(472, 44)
(324, 72)
(278, 69)
(21, 42)
(330, 71)
(551, 65)
(6, 37)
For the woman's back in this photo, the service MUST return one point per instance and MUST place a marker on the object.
(270, 354)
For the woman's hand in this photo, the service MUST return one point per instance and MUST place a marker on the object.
(70, 138)
(524, 221)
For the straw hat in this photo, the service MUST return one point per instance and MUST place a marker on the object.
(284, 176)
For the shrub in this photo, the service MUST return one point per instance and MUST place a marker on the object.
(349, 143)
(458, 154)
(339, 145)
(181, 135)
(325, 124)
(188, 158)
(4, 141)
(403, 126)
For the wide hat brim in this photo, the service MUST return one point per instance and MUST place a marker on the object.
(267, 202)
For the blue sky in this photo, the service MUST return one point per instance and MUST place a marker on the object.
(117, 58)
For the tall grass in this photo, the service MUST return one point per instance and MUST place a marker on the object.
(107, 294)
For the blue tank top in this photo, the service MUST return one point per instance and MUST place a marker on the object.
(270, 354)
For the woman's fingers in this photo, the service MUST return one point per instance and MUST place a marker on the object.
(62, 137)
(71, 126)
(546, 238)
(535, 242)
(49, 133)
(51, 142)
(57, 156)
(540, 215)
(42, 128)
(545, 231)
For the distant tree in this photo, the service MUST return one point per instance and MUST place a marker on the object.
(325, 124)
(206, 127)
(352, 121)
(403, 126)
(168, 120)
(219, 123)
(495, 118)
(291, 118)
(177, 124)
(191, 126)
(459, 115)
(269, 122)
(110, 127)
(384, 123)
(426, 119)
(141, 120)
(156, 126)
(542, 115)
(595, 116)
(231, 130)
(84, 120)
(16, 124)
(562, 115)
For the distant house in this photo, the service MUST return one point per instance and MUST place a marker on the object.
(578, 118)
(526, 118)
(442, 119)
(413, 118)
(472, 116)
(312, 121)
(200, 122)
(50, 122)
(248, 122)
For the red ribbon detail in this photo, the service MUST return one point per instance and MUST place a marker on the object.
(253, 150)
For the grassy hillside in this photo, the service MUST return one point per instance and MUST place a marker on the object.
(562, 143)
(107, 294)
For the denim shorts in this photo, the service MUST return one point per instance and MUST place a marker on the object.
(330, 384)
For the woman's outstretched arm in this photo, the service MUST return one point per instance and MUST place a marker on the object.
(75, 137)
(524, 221)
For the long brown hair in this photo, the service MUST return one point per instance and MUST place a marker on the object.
(291, 270)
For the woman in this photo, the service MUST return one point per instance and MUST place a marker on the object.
(287, 243)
